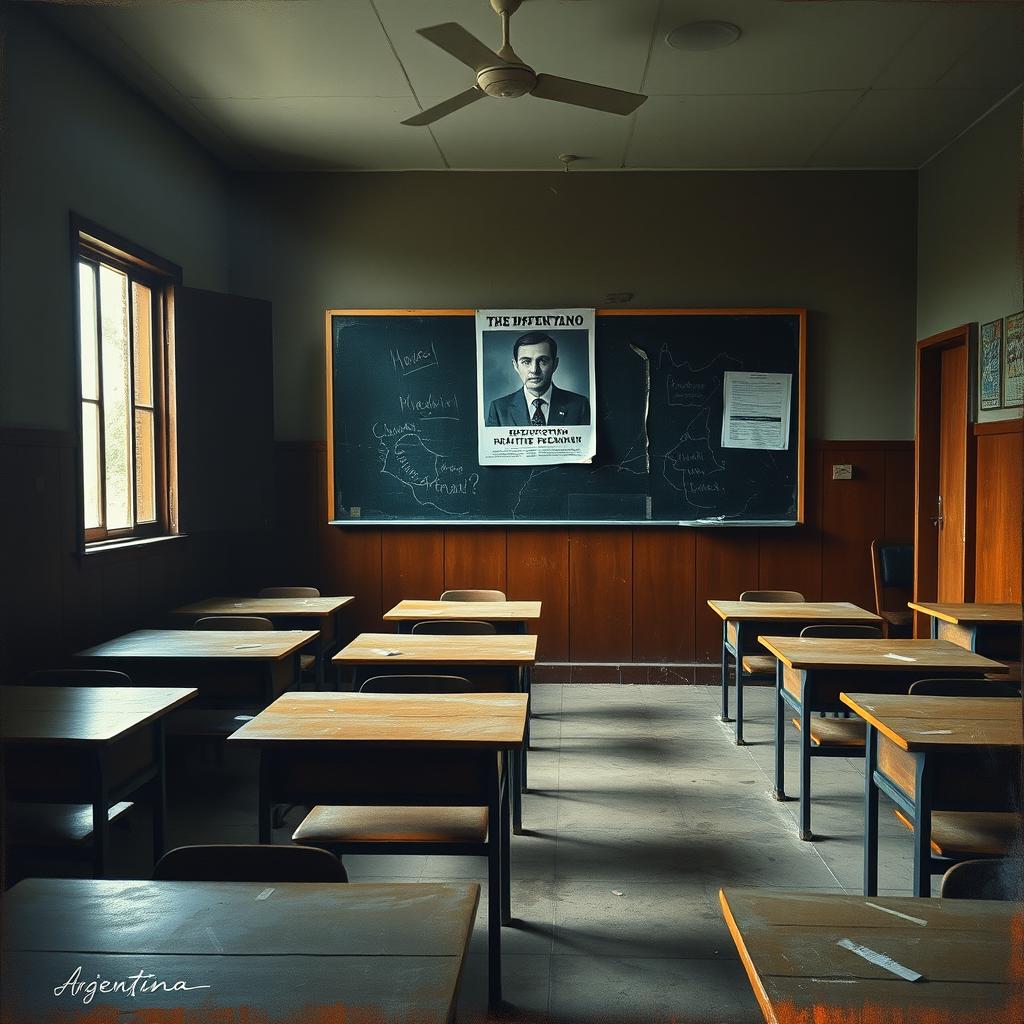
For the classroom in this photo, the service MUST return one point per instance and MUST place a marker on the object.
(338, 683)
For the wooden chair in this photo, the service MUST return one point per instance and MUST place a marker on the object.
(49, 831)
(248, 863)
(473, 595)
(761, 664)
(454, 627)
(841, 730)
(892, 569)
(76, 677)
(1001, 879)
(454, 831)
(963, 688)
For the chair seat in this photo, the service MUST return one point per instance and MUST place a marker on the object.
(897, 618)
(759, 665)
(55, 824)
(306, 662)
(836, 732)
(970, 833)
(326, 824)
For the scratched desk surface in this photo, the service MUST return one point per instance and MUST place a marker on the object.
(296, 952)
(967, 951)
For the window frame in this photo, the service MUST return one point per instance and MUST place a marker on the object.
(95, 245)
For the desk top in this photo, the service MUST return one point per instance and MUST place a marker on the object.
(247, 645)
(68, 715)
(927, 723)
(793, 611)
(391, 951)
(485, 720)
(788, 943)
(488, 611)
(419, 649)
(313, 607)
(968, 614)
(877, 655)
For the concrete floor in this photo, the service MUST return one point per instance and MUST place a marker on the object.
(634, 790)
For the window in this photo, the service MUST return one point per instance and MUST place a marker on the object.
(125, 331)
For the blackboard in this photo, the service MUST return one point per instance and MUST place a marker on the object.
(402, 422)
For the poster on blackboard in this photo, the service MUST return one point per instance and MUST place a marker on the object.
(535, 386)
(756, 410)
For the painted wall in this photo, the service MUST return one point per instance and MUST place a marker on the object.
(840, 243)
(75, 139)
(969, 222)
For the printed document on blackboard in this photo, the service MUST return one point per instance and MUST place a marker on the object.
(756, 413)
(535, 386)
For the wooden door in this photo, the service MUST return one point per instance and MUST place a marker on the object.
(944, 467)
(952, 497)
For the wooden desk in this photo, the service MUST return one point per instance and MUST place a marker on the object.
(382, 952)
(966, 951)
(426, 653)
(394, 749)
(87, 745)
(811, 673)
(514, 613)
(924, 752)
(225, 665)
(320, 613)
(989, 629)
(742, 621)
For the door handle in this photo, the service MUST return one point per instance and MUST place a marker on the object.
(939, 518)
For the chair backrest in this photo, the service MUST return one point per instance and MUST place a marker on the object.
(843, 632)
(233, 622)
(243, 863)
(76, 677)
(289, 592)
(963, 688)
(473, 595)
(781, 596)
(416, 684)
(998, 879)
(892, 569)
(454, 627)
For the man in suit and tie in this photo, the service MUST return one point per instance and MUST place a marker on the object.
(538, 403)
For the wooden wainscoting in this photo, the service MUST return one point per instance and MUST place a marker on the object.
(619, 603)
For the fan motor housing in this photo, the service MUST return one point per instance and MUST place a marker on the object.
(507, 80)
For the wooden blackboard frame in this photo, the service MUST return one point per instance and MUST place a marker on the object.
(801, 412)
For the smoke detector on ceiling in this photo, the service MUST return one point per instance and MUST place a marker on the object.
(703, 35)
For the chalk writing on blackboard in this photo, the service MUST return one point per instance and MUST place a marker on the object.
(433, 480)
(411, 359)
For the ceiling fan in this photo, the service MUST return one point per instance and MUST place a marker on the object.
(503, 74)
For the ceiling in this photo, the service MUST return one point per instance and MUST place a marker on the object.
(290, 85)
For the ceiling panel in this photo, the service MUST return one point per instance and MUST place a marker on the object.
(785, 47)
(263, 49)
(528, 133)
(902, 128)
(333, 133)
(732, 131)
(601, 41)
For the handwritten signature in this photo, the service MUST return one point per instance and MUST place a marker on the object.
(140, 983)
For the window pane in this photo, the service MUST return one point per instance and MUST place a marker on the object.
(116, 397)
(145, 474)
(142, 324)
(91, 464)
(87, 320)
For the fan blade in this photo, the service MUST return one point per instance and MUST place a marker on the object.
(448, 106)
(462, 45)
(583, 94)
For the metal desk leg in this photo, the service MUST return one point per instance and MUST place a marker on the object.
(738, 669)
(263, 799)
(159, 792)
(870, 813)
(494, 809)
(922, 828)
(780, 736)
(725, 673)
(100, 822)
(506, 866)
(520, 686)
(805, 758)
(515, 783)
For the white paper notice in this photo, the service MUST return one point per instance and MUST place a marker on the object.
(756, 411)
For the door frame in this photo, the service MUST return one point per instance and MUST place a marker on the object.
(926, 465)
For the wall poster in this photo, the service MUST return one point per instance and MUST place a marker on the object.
(1013, 360)
(535, 386)
(990, 344)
